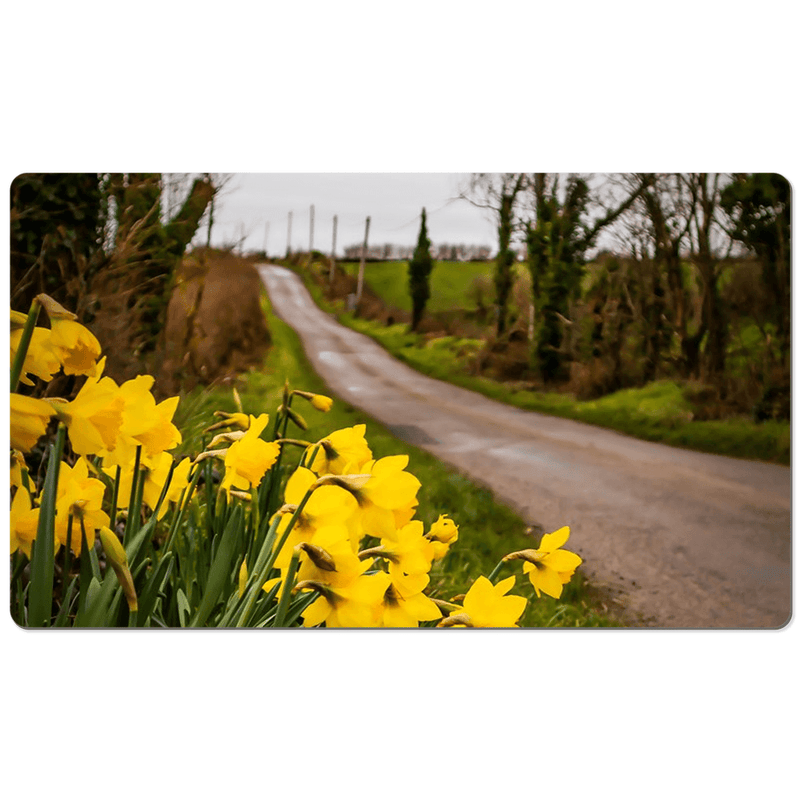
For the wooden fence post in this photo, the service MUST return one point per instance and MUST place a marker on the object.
(361, 265)
(333, 250)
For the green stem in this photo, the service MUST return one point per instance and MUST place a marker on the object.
(131, 523)
(19, 562)
(115, 499)
(86, 569)
(24, 344)
(286, 589)
(43, 556)
(164, 488)
(495, 572)
(67, 560)
(182, 506)
(261, 575)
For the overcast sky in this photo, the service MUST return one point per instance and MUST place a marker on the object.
(393, 201)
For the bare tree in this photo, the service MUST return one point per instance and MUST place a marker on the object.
(498, 192)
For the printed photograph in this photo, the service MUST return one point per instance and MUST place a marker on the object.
(400, 400)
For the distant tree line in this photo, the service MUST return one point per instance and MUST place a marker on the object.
(441, 252)
(697, 287)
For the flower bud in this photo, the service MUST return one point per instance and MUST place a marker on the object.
(533, 556)
(54, 310)
(322, 403)
(209, 454)
(318, 401)
(238, 401)
(240, 421)
(296, 418)
(115, 553)
(228, 436)
(242, 577)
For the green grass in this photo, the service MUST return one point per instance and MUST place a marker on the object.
(452, 283)
(487, 530)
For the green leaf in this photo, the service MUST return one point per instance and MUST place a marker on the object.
(155, 583)
(183, 608)
(93, 597)
(63, 613)
(222, 566)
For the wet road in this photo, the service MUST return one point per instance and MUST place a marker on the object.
(679, 539)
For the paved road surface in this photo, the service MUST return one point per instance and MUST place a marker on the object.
(680, 539)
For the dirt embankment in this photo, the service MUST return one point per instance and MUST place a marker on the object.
(215, 326)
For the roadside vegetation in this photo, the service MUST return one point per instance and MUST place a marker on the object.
(668, 410)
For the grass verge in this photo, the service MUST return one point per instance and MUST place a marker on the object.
(487, 530)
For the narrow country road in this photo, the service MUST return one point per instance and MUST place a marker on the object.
(679, 539)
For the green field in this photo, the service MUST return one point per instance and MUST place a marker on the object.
(453, 283)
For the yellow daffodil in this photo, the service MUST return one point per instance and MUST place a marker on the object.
(161, 434)
(327, 505)
(407, 548)
(389, 489)
(154, 473)
(357, 605)
(24, 522)
(144, 423)
(75, 346)
(442, 534)
(549, 567)
(82, 497)
(248, 459)
(330, 559)
(40, 360)
(156, 477)
(343, 449)
(94, 417)
(488, 606)
(29, 418)
(404, 604)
